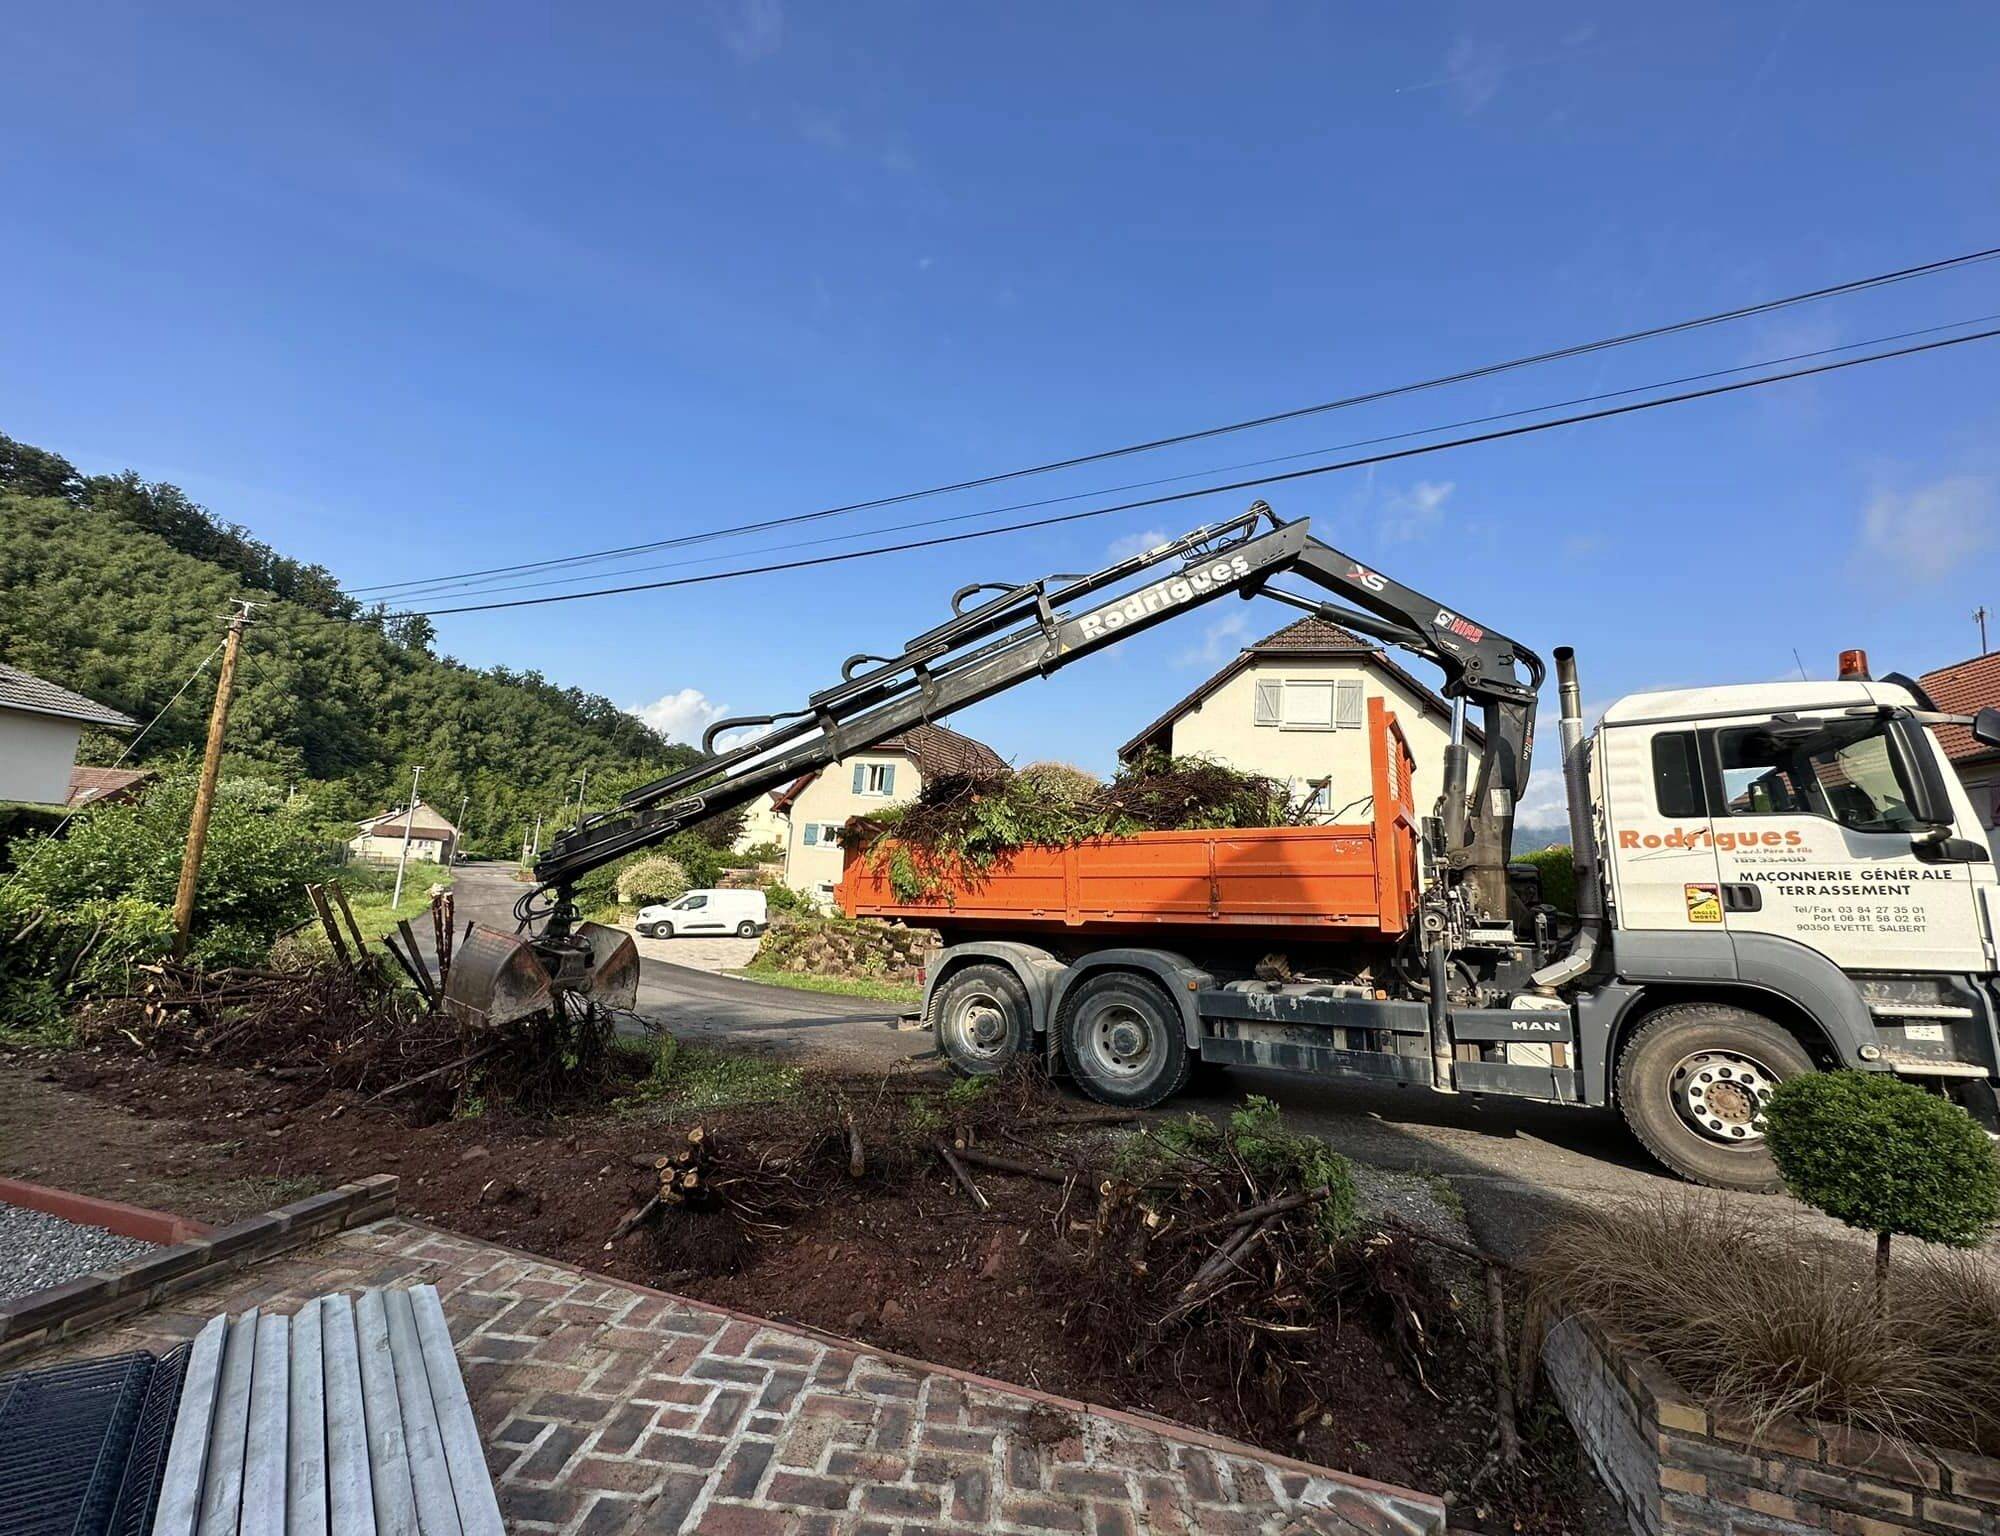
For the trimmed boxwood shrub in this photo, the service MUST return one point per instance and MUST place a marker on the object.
(1885, 1156)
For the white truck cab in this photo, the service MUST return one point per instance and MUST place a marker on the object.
(1797, 867)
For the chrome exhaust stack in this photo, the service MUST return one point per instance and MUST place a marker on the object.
(1582, 832)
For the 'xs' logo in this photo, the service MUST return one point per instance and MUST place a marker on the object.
(1362, 576)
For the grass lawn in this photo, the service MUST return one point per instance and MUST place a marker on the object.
(842, 986)
(369, 889)
(694, 1077)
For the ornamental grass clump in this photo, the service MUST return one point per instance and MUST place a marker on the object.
(1885, 1156)
(1763, 1319)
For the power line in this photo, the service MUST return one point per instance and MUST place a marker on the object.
(1856, 285)
(1212, 490)
(445, 587)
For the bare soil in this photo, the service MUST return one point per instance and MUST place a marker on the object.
(901, 1259)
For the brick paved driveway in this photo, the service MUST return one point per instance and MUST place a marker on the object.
(610, 1409)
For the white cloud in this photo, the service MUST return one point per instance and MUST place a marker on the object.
(1927, 533)
(682, 716)
(1414, 513)
(751, 29)
(1221, 640)
(1473, 72)
(1136, 543)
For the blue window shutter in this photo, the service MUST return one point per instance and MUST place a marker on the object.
(812, 834)
(860, 778)
(889, 779)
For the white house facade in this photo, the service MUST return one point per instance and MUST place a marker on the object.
(812, 810)
(1294, 707)
(40, 725)
(433, 840)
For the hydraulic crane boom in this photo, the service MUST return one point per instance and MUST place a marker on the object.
(1029, 630)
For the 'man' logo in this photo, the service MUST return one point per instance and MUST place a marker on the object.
(1162, 595)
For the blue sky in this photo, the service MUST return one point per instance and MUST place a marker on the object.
(410, 290)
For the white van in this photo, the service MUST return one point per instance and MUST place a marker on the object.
(742, 913)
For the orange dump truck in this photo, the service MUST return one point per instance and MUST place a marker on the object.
(1354, 881)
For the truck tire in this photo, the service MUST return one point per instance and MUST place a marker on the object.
(746, 929)
(1691, 1083)
(1122, 1040)
(983, 1020)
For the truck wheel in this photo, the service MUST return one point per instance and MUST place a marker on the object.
(983, 1020)
(1122, 1040)
(1692, 1082)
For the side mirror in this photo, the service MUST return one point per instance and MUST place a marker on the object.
(1986, 727)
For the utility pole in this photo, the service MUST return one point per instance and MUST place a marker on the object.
(536, 851)
(403, 853)
(1979, 617)
(582, 779)
(211, 770)
(464, 799)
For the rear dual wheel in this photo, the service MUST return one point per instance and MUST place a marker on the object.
(1123, 1040)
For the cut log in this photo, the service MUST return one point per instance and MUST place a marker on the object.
(634, 1218)
(1256, 1212)
(958, 1172)
(1048, 1173)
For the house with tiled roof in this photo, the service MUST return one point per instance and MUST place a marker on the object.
(1293, 706)
(1965, 688)
(805, 817)
(40, 725)
(431, 837)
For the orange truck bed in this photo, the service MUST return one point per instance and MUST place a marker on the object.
(1355, 880)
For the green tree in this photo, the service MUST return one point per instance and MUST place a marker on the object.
(1885, 1156)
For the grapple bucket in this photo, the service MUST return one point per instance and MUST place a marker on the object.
(614, 966)
(496, 978)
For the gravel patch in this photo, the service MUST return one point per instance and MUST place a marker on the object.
(1425, 1202)
(39, 1250)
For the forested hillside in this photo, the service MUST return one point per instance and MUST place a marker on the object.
(117, 588)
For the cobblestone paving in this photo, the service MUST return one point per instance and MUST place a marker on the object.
(612, 1411)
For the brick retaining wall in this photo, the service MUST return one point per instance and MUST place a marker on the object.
(63, 1311)
(1676, 1467)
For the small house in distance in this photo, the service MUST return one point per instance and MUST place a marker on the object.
(432, 838)
(40, 724)
(1293, 706)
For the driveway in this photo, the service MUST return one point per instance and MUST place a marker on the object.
(680, 989)
(1513, 1164)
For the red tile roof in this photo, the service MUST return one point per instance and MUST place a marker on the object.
(936, 750)
(97, 785)
(1964, 688)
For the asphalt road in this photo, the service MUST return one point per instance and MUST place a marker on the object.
(1513, 1164)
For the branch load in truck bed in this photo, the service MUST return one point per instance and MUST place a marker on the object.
(1356, 880)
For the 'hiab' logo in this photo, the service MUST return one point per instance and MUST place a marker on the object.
(1451, 623)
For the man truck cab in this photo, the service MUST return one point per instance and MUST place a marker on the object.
(1798, 864)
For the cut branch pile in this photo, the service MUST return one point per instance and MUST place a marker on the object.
(342, 1025)
(959, 825)
(1227, 1258)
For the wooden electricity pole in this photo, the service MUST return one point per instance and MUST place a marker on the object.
(211, 770)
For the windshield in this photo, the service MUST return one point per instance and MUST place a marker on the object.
(1846, 770)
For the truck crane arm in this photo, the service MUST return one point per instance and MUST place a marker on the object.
(989, 644)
